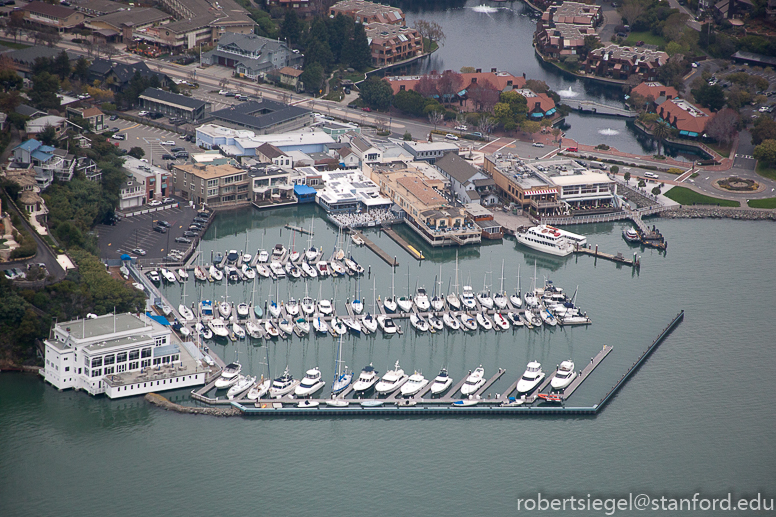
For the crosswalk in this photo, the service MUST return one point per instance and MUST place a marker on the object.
(747, 156)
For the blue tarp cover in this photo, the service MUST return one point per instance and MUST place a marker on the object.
(158, 319)
(304, 190)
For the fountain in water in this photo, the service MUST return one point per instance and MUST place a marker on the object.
(608, 132)
(484, 9)
(568, 93)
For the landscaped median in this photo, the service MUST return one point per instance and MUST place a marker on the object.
(686, 196)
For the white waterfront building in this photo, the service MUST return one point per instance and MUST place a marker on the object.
(119, 355)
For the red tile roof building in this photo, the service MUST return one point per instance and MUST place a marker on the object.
(685, 116)
(656, 91)
(368, 12)
(502, 81)
(392, 43)
(622, 62)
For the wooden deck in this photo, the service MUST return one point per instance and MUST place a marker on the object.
(378, 251)
(390, 232)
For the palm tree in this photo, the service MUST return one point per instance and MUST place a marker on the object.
(660, 132)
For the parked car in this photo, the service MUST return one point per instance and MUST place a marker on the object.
(142, 114)
(154, 202)
(155, 115)
(366, 108)
(168, 157)
(168, 142)
(183, 240)
(223, 92)
(538, 144)
(195, 228)
(352, 106)
(160, 229)
(113, 117)
(451, 136)
(139, 251)
(190, 233)
(461, 128)
(477, 134)
(651, 175)
(572, 149)
(168, 200)
(200, 220)
(164, 224)
(119, 136)
(182, 154)
(206, 215)
(230, 94)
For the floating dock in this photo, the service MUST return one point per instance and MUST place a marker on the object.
(378, 251)
(619, 258)
(390, 232)
(298, 229)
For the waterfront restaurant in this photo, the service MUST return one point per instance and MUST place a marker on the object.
(120, 355)
(348, 190)
(519, 183)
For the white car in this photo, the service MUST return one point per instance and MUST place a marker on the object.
(168, 142)
(538, 144)
(154, 202)
(461, 128)
(142, 114)
(451, 136)
(222, 92)
(764, 109)
(651, 175)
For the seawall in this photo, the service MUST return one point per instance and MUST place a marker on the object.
(162, 402)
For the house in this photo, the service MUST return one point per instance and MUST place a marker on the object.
(94, 116)
(573, 13)
(155, 181)
(36, 126)
(214, 185)
(368, 12)
(23, 59)
(173, 104)
(268, 153)
(48, 15)
(118, 75)
(252, 56)
(131, 194)
(347, 158)
(392, 43)
(462, 176)
(620, 62)
(539, 105)
(562, 39)
(30, 201)
(271, 184)
(366, 152)
(654, 93)
(429, 151)
(290, 77)
(689, 119)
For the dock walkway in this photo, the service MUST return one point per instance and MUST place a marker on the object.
(390, 232)
(587, 370)
(378, 251)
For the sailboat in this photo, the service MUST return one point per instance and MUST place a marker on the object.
(437, 300)
(184, 311)
(342, 379)
(405, 302)
(308, 305)
(390, 303)
(517, 299)
(357, 304)
(257, 310)
(223, 307)
(484, 296)
(311, 253)
(500, 298)
(531, 299)
(274, 306)
(370, 323)
(453, 301)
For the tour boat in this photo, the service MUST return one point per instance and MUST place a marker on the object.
(241, 386)
(311, 383)
(283, 385)
(366, 379)
(417, 321)
(547, 239)
(468, 322)
(531, 378)
(292, 307)
(369, 322)
(262, 270)
(564, 375)
(435, 323)
(248, 271)
(500, 321)
(324, 306)
(308, 270)
(252, 329)
(474, 381)
(243, 310)
(301, 325)
(467, 298)
(421, 300)
(259, 389)
(414, 384)
(483, 321)
(451, 321)
(320, 325)
(631, 235)
(200, 274)
(263, 256)
(387, 324)
(391, 380)
(218, 326)
(216, 274)
(442, 382)
(238, 331)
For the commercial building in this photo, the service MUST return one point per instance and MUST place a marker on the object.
(368, 12)
(427, 211)
(214, 185)
(97, 8)
(94, 116)
(619, 62)
(654, 93)
(48, 15)
(271, 184)
(429, 151)
(348, 190)
(562, 39)
(264, 117)
(119, 355)
(467, 183)
(539, 105)
(24, 59)
(126, 22)
(132, 194)
(173, 104)
(688, 118)
(392, 43)
(252, 56)
(242, 142)
(154, 181)
(573, 13)
(290, 77)
(268, 153)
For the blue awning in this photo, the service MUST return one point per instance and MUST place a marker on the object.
(550, 111)
(692, 134)
(159, 319)
(304, 190)
(683, 132)
(536, 115)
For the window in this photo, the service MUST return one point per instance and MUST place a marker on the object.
(97, 361)
(121, 357)
(67, 368)
(110, 370)
(146, 352)
(134, 365)
(145, 363)
(96, 373)
(134, 355)
(109, 359)
(159, 341)
(212, 183)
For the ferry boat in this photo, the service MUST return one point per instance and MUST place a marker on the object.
(442, 382)
(631, 235)
(531, 378)
(564, 375)
(391, 380)
(367, 379)
(547, 239)
(474, 381)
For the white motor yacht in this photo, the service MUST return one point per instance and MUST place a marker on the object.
(483, 321)
(418, 322)
(369, 322)
(278, 253)
(421, 300)
(451, 321)
(308, 305)
(223, 383)
(547, 239)
(231, 274)
(467, 298)
(218, 326)
(631, 235)
(386, 323)
(414, 384)
(230, 373)
(277, 269)
(311, 383)
(243, 310)
(323, 268)
(442, 382)
(263, 256)
(500, 321)
(564, 375)
(154, 276)
(391, 380)
(324, 306)
(262, 270)
(241, 386)
(246, 258)
(366, 379)
(283, 385)
(168, 275)
(474, 381)
(531, 378)
(301, 325)
(248, 271)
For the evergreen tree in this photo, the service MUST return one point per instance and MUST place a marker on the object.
(61, 65)
(312, 77)
(361, 56)
(318, 50)
(291, 29)
(340, 32)
(81, 69)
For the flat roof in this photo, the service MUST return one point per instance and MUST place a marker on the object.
(172, 99)
(103, 325)
(211, 171)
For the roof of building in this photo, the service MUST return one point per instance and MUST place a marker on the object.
(42, 122)
(456, 167)
(29, 145)
(503, 81)
(209, 171)
(29, 197)
(30, 54)
(655, 90)
(91, 112)
(172, 99)
(572, 12)
(568, 35)
(135, 16)
(54, 11)
(424, 192)
(362, 8)
(544, 101)
(633, 55)
(259, 115)
(292, 72)
(124, 71)
(386, 33)
(270, 151)
(29, 111)
(430, 146)
(103, 325)
(99, 6)
(684, 115)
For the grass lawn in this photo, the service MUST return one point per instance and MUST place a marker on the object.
(686, 196)
(11, 44)
(765, 171)
(763, 203)
(722, 150)
(647, 37)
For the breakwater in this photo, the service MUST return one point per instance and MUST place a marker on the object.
(162, 402)
(717, 212)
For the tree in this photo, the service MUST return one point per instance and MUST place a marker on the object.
(430, 31)
(592, 42)
(407, 136)
(614, 169)
(427, 85)
(9, 79)
(764, 129)
(317, 45)
(626, 176)
(712, 97)
(291, 28)
(14, 25)
(44, 91)
(312, 77)
(449, 84)
(766, 152)
(360, 56)
(537, 86)
(435, 118)
(660, 132)
(484, 95)
(531, 127)
(724, 126)
(340, 33)
(136, 152)
(61, 65)
(485, 125)
(409, 101)
(631, 10)
(48, 136)
(673, 27)
(377, 93)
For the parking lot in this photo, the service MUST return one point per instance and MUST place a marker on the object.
(150, 140)
(138, 232)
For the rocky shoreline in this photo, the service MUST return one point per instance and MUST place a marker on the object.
(716, 212)
(160, 401)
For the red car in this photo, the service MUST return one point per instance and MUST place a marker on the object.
(572, 149)
(367, 108)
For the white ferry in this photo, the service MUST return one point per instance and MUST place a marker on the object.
(547, 239)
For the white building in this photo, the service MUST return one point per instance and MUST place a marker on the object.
(430, 151)
(243, 142)
(348, 190)
(118, 354)
(131, 194)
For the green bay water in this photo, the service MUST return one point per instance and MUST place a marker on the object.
(696, 417)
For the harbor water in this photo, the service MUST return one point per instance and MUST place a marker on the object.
(686, 422)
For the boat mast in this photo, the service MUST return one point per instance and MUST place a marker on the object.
(456, 272)
(501, 289)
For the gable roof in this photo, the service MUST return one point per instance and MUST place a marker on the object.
(29, 111)
(456, 167)
(30, 54)
(172, 98)
(656, 90)
(293, 72)
(54, 11)
(270, 151)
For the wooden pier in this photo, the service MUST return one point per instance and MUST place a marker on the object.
(390, 232)
(298, 229)
(378, 251)
(619, 258)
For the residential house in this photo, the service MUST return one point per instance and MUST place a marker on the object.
(36, 126)
(562, 39)
(57, 16)
(368, 12)
(654, 93)
(363, 148)
(214, 185)
(290, 77)
(297, 5)
(618, 62)
(539, 105)
(252, 56)
(131, 194)
(462, 176)
(94, 116)
(118, 75)
(688, 118)
(268, 153)
(270, 184)
(347, 158)
(392, 43)
(23, 59)
(30, 201)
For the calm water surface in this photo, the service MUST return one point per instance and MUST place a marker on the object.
(696, 417)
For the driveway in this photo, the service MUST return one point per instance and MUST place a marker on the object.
(44, 255)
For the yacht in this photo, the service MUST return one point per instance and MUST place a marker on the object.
(390, 305)
(414, 384)
(252, 329)
(500, 321)
(468, 322)
(286, 325)
(231, 274)
(248, 272)
(262, 270)
(230, 373)
(246, 258)
(547, 239)
(353, 266)
(386, 323)
(548, 318)
(224, 309)
(200, 274)
(277, 269)
(260, 389)
(516, 300)
(263, 256)
(308, 270)
(417, 321)
(324, 306)
(500, 300)
(451, 321)
(238, 331)
(292, 307)
(337, 269)
(308, 305)
(531, 378)
(320, 325)
(271, 329)
(311, 383)
(203, 331)
(467, 298)
(353, 325)
(283, 385)
(338, 326)
(243, 310)
(223, 383)
(421, 300)
(483, 321)
(168, 275)
(232, 257)
(154, 276)
(183, 274)
(474, 381)
(219, 260)
(366, 380)
(216, 274)
(274, 309)
(357, 306)
(311, 253)
(241, 386)
(294, 271)
(391, 380)
(453, 301)
(301, 325)
(278, 253)
(369, 322)
(218, 327)
(442, 382)
(185, 313)
(631, 235)
(564, 375)
(515, 318)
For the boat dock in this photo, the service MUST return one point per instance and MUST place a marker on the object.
(298, 229)
(378, 251)
(390, 232)
(635, 262)
(587, 370)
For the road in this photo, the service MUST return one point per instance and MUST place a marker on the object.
(44, 255)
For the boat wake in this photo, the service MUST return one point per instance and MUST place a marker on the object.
(608, 132)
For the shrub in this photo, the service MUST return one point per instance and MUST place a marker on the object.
(407, 136)
(674, 170)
